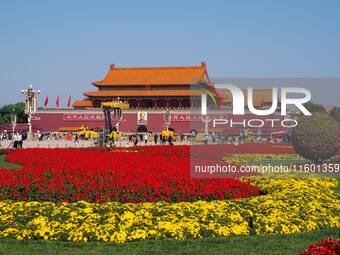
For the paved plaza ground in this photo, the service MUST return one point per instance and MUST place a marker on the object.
(4, 144)
(49, 144)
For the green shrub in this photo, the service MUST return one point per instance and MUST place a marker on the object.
(335, 113)
(316, 137)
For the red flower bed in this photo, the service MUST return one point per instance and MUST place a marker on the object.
(328, 246)
(125, 175)
(4, 151)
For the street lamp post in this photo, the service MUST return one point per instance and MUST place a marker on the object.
(13, 122)
(166, 119)
(206, 120)
(31, 96)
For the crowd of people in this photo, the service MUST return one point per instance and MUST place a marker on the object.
(16, 137)
(136, 139)
(151, 138)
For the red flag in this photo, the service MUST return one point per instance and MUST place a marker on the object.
(46, 101)
(69, 102)
(57, 102)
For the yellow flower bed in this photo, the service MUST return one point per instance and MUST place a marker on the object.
(119, 223)
(295, 205)
(292, 205)
(257, 159)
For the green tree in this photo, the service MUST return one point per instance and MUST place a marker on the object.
(316, 137)
(335, 113)
(313, 107)
(17, 108)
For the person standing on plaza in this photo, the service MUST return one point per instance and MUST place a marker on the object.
(155, 138)
(15, 140)
(76, 138)
(182, 138)
(20, 140)
(146, 138)
(135, 141)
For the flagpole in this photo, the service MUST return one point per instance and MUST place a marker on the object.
(45, 102)
(69, 102)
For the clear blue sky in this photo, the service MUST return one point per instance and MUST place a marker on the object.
(62, 46)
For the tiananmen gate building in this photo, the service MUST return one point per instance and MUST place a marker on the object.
(150, 87)
(149, 91)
